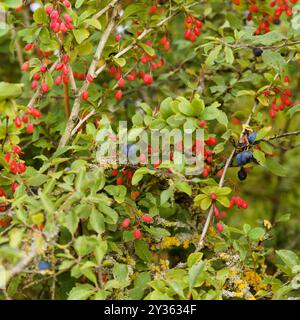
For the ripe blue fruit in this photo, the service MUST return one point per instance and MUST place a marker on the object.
(252, 137)
(131, 150)
(244, 157)
(242, 174)
(44, 265)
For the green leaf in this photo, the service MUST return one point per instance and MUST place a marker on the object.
(142, 250)
(197, 106)
(288, 257)
(224, 201)
(256, 233)
(120, 272)
(275, 167)
(229, 57)
(13, 3)
(259, 156)
(165, 108)
(93, 22)
(10, 90)
(149, 50)
(78, 3)
(81, 292)
(40, 16)
(97, 221)
(262, 133)
(80, 34)
(139, 173)
(212, 57)
(194, 272)
(120, 61)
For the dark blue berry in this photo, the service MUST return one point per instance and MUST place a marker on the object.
(257, 52)
(44, 265)
(242, 174)
(252, 137)
(244, 157)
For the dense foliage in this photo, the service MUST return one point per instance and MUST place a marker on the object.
(73, 227)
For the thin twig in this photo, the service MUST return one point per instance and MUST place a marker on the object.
(76, 106)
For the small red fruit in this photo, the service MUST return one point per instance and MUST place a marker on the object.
(18, 122)
(89, 78)
(126, 223)
(85, 95)
(29, 128)
(213, 197)
(118, 95)
(137, 234)
(44, 87)
(121, 83)
(220, 228)
(152, 10)
(25, 66)
(146, 218)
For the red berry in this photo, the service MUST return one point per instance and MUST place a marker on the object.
(89, 78)
(213, 197)
(211, 141)
(54, 15)
(36, 76)
(146, 218)
(126, 223)
(44, 87)
(14, 186)
(84, 95)
(119, 181)
(220, 228)
(65, 59)
(13, 167)
(34, 84)
(58, 80)
(114, 172)
(157, 164)
(63, 27)
(25, 66)
(134, 194)
(137, 234)
(148, 79)
(29, 128)
(21, 167)
(121, 83)
(16, 149)
(43, 68)
(118, 37)
(49, 9)
(67, 4)
(67, 18)
(28, 46)
(152, 10)
(18, 122)
(6, 157)
(118, 95)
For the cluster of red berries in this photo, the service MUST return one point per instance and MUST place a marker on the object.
(30, 112)
(15, 167)
(239, 202)
(37, 76)
(63, 68)
(281, 100)
(193, 28)
(235, 201)
(136, 232)
(126, 174)
(265, 18)
(59, 23)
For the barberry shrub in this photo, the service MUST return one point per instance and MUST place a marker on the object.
(73, 227)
